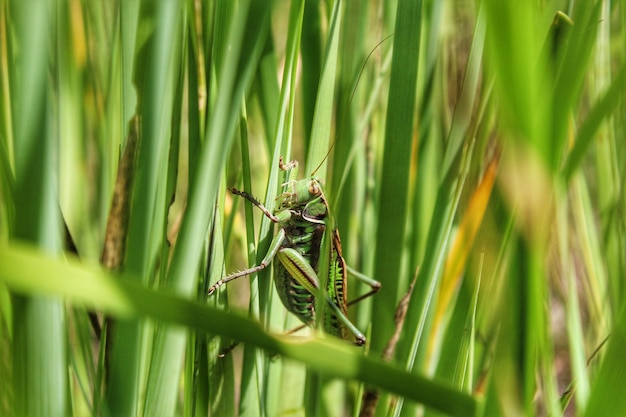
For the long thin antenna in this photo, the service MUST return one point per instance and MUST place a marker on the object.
(358, 78)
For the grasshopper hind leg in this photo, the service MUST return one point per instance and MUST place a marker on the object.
(374, 285)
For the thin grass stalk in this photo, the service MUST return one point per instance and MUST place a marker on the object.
(312, 57)
(252, 387)
(574, 324)
(322, 119)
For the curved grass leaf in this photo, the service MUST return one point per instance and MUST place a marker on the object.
(91, 287)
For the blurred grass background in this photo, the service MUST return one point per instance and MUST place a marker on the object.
(476, 142)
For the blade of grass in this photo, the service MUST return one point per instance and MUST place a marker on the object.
(252, 384)
(571, 74)
(463, 110)
(123, 297)
(462, 131)
(312, 54)
(129, 18)
(349, 160)
(605, 398)
(574, 324)
(40, 382)
(6, 117)
(532, 140)
(513, 46)
(604, 107)
(221, 373)
(399, 134)
(322, 118)
(258, 370)
(503, 396)
(317, 164)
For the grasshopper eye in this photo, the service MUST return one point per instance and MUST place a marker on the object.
(314, 188)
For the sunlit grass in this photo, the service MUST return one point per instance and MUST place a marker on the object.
(476, 143)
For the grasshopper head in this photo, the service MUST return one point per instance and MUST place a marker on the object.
(299, 193)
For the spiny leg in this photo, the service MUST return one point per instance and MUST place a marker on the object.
(255, 202)
(234, 276)
(374, 285)
(274, 247)
(286, 166)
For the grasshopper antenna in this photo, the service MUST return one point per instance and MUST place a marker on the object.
(323, 159)
(358, 78)
(365, 63)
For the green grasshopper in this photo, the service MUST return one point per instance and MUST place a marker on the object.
(303, 217)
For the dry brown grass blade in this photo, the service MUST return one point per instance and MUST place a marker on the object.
(117, 224)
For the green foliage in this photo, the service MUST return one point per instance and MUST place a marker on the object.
(476, 143)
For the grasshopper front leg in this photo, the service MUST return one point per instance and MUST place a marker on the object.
(274, 248)
(276, 244)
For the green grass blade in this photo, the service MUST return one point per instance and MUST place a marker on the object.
(520, 280)
(312, 53)
(605, 106)
(574, 324)
(129, 18)
(467, 99)
(605, 399)
(122, 297)
(569, 80)
(394, 181)
(40, 382)
(322, 119)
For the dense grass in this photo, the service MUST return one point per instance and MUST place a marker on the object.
(477, 143)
